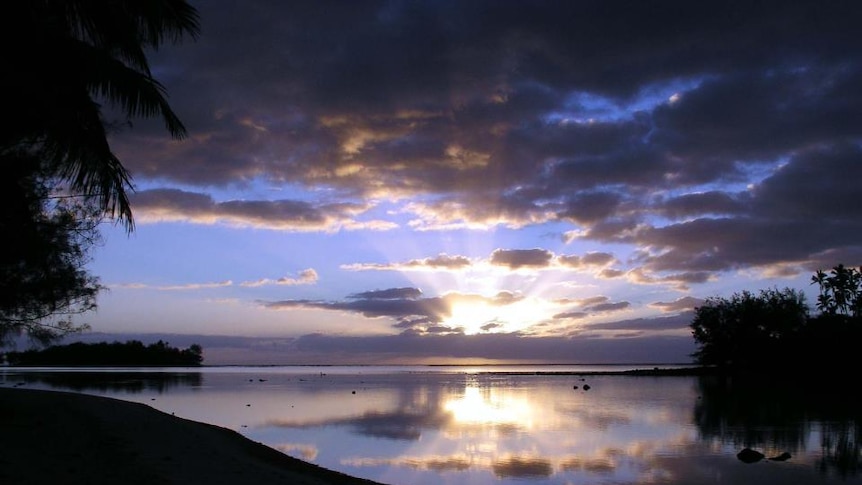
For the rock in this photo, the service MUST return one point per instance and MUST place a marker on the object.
(748, 455)
(782, 457)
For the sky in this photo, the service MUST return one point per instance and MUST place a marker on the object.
(381, 182)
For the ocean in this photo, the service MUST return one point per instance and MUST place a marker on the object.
(416, 425)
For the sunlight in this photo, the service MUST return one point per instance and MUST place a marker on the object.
(489, 407)
(483, 316)
(473, 317)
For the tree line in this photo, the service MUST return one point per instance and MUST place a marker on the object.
(129, 353)
(774, 332)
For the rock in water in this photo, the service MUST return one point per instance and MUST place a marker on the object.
(748, 455)
(782, 457)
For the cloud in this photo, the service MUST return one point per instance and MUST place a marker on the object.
(591, 306)
(441, 262)
(514, 259)
(522, 467)
(497, 346)
(183, 287)
(639, 325)
(525, 106)
(390, 294)
(518, 258)
(411, 313)
(410, 348)
(172, 205)
(609, 307)
(573, 315)
(306, 277)
(680, 304)
(694, 145)
(592, 259)
(680, 281)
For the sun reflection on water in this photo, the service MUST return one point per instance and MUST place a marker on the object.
(485, 406)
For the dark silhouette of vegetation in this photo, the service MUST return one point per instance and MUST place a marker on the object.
(42, 278)
(130, 353)
(840, 291)
(772, 332)
(63, 60)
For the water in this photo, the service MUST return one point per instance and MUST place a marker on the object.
(504, 424)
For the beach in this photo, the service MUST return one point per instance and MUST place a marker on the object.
(53, 437)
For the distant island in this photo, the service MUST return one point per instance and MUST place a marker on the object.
(129, 353)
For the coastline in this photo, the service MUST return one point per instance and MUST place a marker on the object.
(52, 437)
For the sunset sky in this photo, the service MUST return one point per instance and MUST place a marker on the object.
(476, 181)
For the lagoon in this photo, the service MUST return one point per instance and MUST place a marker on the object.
(415, 425)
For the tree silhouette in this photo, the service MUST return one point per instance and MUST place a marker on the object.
(773, 330)
(42, 280)
(747, 331)
(840, 291)
(129, 353)
(64, 59)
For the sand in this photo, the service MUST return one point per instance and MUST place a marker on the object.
(57, 438)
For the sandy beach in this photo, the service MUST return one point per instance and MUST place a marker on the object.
(51, 437)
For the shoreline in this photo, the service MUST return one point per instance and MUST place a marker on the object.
(52, 437)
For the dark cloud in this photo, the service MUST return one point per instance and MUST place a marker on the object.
(429, 309)
(609, 307)
(591, 306)
(290, 215)
(410, 348)
(411, 313)
(610, 273)
(680, 304)
(656, 349)
(574, 315)
(527, 467)
(639, 325)
(490, 326)
(390, 294)
(718, 136)
(519, 258)
(587, 260)
(702, 203)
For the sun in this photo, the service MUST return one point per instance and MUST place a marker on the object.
(484, 316)
(473, 317)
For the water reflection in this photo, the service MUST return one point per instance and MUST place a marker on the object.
(108, 382)
(446, 427)
(784, 416)
(489, 406)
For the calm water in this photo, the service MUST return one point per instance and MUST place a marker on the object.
(504, 425)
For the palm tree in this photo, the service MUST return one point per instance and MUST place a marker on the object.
(62, 58)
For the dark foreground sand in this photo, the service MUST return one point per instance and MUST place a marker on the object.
(58, 438)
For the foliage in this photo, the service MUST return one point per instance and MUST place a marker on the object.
(43, 282)
(63, 60)
(748, 330)
(130, 353)
(840, 291)
(773, 330)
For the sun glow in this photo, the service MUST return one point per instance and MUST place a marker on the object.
(485, 316)
(473, 317)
